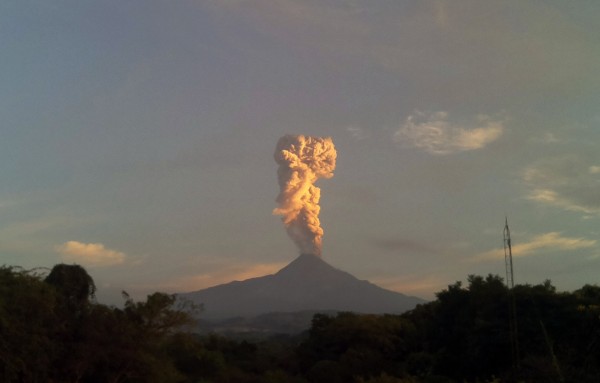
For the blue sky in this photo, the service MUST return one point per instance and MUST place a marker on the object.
(137, 138)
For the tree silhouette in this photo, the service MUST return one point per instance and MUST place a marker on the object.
(73, 283)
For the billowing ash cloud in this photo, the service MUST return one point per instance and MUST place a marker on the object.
(302, 160)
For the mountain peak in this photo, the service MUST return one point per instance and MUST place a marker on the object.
(307, 283)
(305, 264)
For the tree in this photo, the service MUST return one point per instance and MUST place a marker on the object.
(352, 345)
(52, 330)
(74, 284)
(464, 333)
(28, 325)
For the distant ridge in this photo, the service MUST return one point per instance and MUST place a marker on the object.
(306, 284)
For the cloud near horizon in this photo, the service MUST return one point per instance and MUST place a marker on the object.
(221, 275)
(422, 286)
(90, 254)
(549, 241)
(433, 133)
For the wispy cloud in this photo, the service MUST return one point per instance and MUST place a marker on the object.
(550, 138)
(90, 254)
(356, 132)
(554, 198)
(568, 182)
(594, 169)
(436, 135)
(544, 242)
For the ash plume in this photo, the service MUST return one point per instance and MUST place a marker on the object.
(302, 160)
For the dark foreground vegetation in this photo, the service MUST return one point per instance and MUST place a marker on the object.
(52, 330)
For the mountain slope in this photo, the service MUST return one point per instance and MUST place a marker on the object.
(307, 283)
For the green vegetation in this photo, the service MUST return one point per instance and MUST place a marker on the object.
(52, 330)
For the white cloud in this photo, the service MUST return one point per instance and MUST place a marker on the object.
(544, 242)
(89, 254)
(566, 182)
(434, 134)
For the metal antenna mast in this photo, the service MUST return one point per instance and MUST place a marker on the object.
(510, 283)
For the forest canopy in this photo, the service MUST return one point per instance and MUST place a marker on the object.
(53, 330)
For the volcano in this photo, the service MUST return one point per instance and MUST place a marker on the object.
(306, 284)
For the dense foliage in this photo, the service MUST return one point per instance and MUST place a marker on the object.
(52, 330)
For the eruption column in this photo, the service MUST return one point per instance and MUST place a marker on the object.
(302, 160)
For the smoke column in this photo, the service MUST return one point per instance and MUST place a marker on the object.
(302, 160)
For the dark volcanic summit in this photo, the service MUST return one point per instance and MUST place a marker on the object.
(307, 283)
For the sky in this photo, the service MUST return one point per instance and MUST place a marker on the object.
(137, 138)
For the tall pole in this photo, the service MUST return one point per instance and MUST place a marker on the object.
(510, 284)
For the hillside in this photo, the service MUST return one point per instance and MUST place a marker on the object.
(307, 284)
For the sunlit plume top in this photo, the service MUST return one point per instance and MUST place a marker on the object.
(302, 160)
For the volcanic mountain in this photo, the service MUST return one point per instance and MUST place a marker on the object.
(307, 284)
